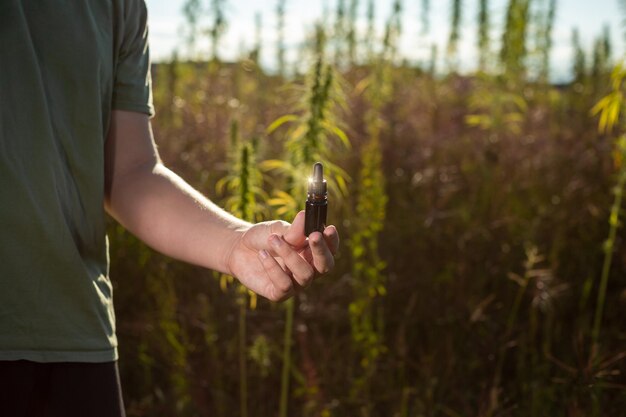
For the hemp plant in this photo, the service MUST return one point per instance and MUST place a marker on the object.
(544, 40)
(609, 109)
(280, 37)
(351, 36)
(313, 135)
(367, 268)
(243, 185)
(393, 32)
(192, 10)
(371, 29)
(218, 26)
(453, 39)
(340, 32)
(599, 367)
(514, 50)
(368, 277)
(483, 35)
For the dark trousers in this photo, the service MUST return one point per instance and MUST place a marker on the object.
(64, 389)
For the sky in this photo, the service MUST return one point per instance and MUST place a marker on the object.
(166, 23)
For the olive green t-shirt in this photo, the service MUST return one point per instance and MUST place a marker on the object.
(64, 65)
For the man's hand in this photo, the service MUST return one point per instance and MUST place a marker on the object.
(274, 259)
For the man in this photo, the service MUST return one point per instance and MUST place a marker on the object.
(75, 139)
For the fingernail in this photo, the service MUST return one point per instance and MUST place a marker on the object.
(263, 253)
(275, 240)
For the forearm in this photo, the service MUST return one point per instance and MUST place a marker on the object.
(161, 209)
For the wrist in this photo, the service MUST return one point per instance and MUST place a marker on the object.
(233, 241)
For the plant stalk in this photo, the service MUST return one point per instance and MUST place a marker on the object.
(614, 223)
(284, 382)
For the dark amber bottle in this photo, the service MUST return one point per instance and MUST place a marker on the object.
(316, 202)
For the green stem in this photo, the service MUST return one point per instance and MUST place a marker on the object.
(284, 383)
(614, 223)
(608, 256)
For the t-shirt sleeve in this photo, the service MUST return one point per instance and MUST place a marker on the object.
(132, 88)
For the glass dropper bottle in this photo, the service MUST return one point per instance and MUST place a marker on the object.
(316, 202)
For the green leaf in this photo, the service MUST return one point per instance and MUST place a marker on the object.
(341, 185)
(337, 132)
(281, 121)
(220, 185)
(271, 164)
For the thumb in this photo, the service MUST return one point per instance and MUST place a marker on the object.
(294, 235)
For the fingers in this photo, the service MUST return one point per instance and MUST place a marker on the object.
(332, 238)
(288, 265)
(294, 234)
(323, 259)
(282, 285)
(303, 273)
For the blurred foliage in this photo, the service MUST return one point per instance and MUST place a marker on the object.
(474, 211)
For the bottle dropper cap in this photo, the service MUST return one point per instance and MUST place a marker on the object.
(317, 183)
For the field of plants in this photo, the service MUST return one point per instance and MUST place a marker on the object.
(482, 268)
